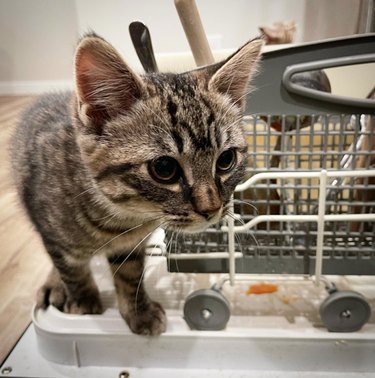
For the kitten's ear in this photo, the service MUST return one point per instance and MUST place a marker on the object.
(233, 75)
(105, 84)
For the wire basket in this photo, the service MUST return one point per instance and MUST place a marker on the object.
(306, 144)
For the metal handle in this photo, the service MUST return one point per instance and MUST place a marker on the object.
(324, 96)
(273, 96)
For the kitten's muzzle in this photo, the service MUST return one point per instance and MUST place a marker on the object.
(206, 201)
(213, 216)
(209, 215)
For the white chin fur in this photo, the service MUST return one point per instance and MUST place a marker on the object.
(196, 227)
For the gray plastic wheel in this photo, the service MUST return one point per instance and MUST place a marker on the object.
(206, 310)
(345, 311)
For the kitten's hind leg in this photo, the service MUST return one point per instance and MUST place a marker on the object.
(71, 290)
(143, 316)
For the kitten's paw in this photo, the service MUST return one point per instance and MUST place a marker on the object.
(150, 320)
(89, 303)
(53, 292)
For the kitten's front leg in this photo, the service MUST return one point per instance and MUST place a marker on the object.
(143, 316)
(70, 289)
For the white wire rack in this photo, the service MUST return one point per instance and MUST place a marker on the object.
(320, 218)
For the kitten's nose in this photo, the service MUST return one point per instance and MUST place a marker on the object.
(206, 201)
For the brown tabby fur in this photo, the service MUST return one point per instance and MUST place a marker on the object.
(82, 167)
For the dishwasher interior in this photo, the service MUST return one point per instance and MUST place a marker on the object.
(284, 283)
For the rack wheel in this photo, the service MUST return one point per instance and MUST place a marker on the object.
(206, 310)
(345, 311)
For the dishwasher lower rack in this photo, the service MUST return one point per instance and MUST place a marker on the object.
(282, 331)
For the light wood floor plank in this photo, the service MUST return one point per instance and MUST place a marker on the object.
(23, 262)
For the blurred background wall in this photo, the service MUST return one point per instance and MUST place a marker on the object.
(38, 37)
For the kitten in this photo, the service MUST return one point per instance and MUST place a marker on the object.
(100, 169)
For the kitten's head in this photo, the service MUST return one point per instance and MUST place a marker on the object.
(163, 146)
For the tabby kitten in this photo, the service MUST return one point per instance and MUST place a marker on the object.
(100, 169)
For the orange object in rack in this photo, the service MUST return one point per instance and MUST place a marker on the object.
(261, 288)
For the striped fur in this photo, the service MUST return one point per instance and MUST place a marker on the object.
(82, 167)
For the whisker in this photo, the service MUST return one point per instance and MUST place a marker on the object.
(123, 233)
(234, 217)
(169, 245)
(239, 241)
(159, 266)
(235, 200)
(144, 268)
(250, 232)
(136, 246)
(113, 216)
(82, 193)
(179, 231)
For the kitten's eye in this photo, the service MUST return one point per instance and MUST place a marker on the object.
(165, 170)
(226, 161)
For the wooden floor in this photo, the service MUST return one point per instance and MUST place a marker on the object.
(23, 262)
